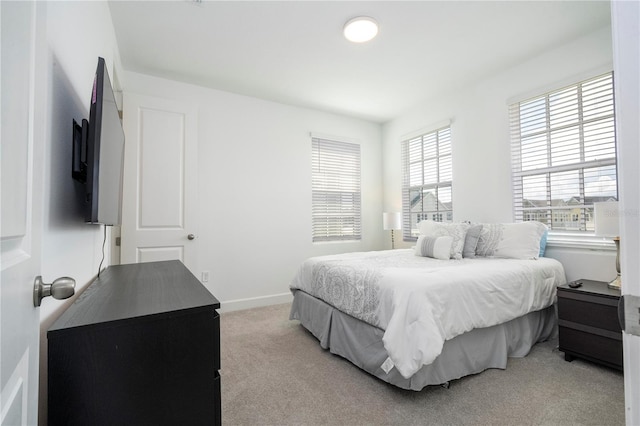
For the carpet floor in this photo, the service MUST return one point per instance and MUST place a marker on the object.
(274, 372)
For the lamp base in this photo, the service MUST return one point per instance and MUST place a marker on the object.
(616, 283)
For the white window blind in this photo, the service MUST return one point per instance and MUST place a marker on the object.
(563, 149)
(427, 176)
(336, 195)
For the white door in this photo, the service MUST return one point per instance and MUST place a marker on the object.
(160, 181)
(20, 210)
(625, 17)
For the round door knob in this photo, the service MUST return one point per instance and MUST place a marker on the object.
(191, 236)
(61, 288)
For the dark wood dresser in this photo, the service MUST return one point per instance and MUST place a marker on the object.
(140, 346)
(588, 323)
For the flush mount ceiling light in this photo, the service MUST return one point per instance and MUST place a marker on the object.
(360, 29)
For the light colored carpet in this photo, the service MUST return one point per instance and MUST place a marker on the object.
(275, 373)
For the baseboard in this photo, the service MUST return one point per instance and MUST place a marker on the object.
(255, 302)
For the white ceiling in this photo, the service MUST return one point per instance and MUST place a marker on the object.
(294, 52)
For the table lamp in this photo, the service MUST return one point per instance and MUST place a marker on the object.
(606, 218)
(391, 221)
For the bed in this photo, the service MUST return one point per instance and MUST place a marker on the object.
(418, 320)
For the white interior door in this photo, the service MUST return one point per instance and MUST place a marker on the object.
(20, 212)
(160, 181)
(625, 17)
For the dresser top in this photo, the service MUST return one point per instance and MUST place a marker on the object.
(123, 292)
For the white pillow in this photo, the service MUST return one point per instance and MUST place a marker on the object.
(436, 247)
(456, 230)
(511, 240)
(471, 241)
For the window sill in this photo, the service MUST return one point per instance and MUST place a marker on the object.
(584, 242)
(336, 242)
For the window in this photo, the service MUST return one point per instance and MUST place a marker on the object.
(563, 148)
(426, 180)
(336, 198)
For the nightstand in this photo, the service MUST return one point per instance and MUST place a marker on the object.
(588, 323)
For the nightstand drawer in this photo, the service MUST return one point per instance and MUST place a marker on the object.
(590, 311)
(591, 346)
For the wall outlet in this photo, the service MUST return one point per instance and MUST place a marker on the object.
(205, 276)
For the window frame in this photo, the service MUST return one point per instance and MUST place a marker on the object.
(442, 133)
(336, 189)
(582, 238)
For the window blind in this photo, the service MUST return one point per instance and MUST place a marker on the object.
(563, 149)
(427, 176)
(336, 197)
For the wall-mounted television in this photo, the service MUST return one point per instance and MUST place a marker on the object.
(98, 154)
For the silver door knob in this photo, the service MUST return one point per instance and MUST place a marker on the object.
(62, 288)
(191, 236)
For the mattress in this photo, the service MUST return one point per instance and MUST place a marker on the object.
(420, 303)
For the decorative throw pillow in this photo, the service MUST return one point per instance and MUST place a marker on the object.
(471, 241)
(511, 240)
(436, 247)
(543, 242)
(455, 230)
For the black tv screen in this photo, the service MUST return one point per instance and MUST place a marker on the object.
(98, 154)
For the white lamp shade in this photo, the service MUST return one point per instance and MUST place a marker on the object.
(606, 218)
(391, 221)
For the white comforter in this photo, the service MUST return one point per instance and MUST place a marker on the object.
(422, 302)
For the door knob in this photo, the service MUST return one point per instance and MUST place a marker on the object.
(62, 288)
(191, 236)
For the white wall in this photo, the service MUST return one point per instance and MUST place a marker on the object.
(254, 178)
(480, 133)
(77, 33)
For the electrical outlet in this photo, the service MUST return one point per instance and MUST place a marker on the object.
(205, 276)
(632, 314)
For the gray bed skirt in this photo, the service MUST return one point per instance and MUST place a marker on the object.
(469, 353)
